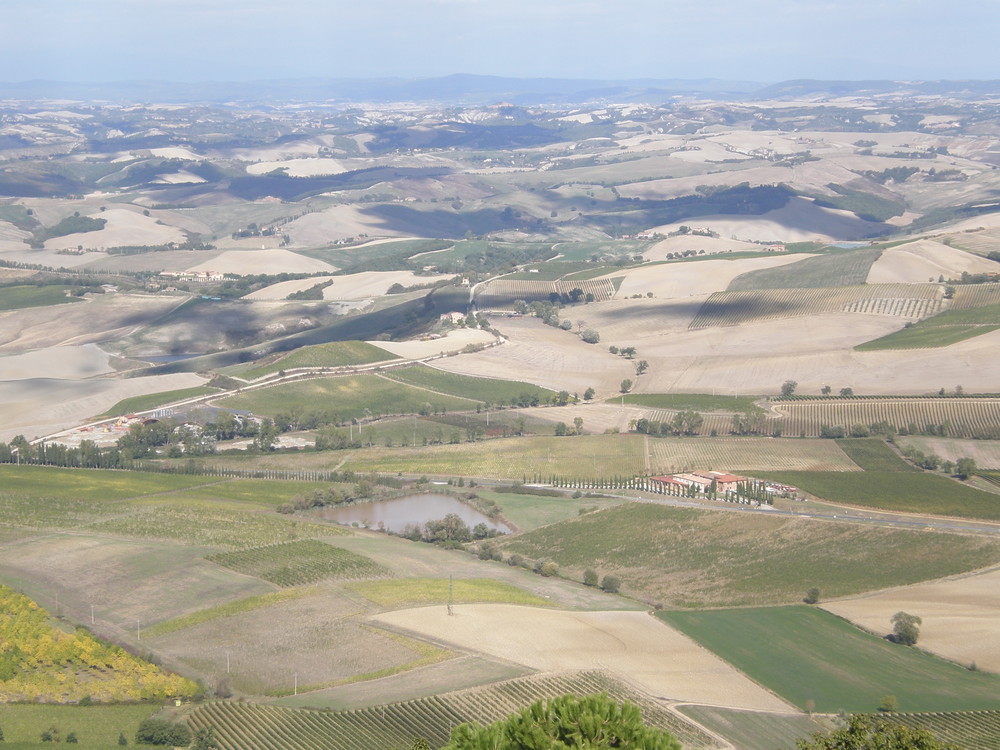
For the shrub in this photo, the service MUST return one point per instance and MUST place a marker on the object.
(812, 596)
(590, 577)
(610, 584)
(548, 569)
(161, 732)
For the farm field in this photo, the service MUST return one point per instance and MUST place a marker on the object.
(669, 455)
(432, 718)
(298, 562)
(756, 730)
(945, 328)
(531, 511)
(581, 456)
(346, 397)
(839, 269)
(974, 730)
(656, 659)
(700, 402)
(986, 453)
(333, 354)
(916, 262)
(20, 297)
(961, 417)
(732, 308)
(874, 454)
(680, 557)
(453, 341)
(897, 491)
(502, 293)
(960, 616)
(410, 592)
(155, 400)
(805, 654)
(484, 390)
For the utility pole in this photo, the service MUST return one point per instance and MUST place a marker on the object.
(450, 594)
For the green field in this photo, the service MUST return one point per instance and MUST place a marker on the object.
(682, 557)
(299, 562)
(20, 297)
(692, 401)
(154, 400)
(896, 490)
(579, 456)
(874, 454)
(96, 727)
(948, 327)
(410, 592)
(346, 398)
(89, 484)
(334, 354)
(484, 390)
(827, 270)
(805, 654)
(531, 511)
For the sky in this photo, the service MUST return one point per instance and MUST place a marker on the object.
(750, 40)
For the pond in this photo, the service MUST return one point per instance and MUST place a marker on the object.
(394, 515)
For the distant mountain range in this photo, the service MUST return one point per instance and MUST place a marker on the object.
(461, 89)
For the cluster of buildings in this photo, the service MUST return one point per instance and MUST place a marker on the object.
(719, 484)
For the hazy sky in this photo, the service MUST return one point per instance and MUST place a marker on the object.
(760, 40)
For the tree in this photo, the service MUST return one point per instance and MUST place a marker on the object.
(590, 577)
(812, 596)
(611, 584)
(826, 390)
(788, 388)
(204, 739)
(888, 704)
(965, 467)
(593, 722)
(626, 385)
(846, 392)
(590, 336)
(162, 732)
(578, 425)
(641, 366)
(867, 732)
(905, 628)
(588, 394)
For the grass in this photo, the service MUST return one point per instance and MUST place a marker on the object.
(226, 610)
(333, 354)
(97, 727)
(254, 494)
(512, 459)
(828, 270)
(531, 511)
(897, 491)
(944, 329)
(346, 398)
(299, 562)
(806, 654)
(484, 390)
(89, 484)
(20, 297)
(396, 592)
(684, 557)
(693, 401)
(669, 455)
(874, 454)
(138, 404)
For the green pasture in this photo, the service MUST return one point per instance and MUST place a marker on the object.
(683, 557)
(89, 484)
(333, 354)
(943, 329)
(805, 654)
(348, 397)
(397, 592)
(155, 400)
(20, 297)
(690, 401)
(828, 270)
(255, 494)
(531, 511)
(874, 454)
(484, 390)
(523, 458)
(96, 727)
(917, 492)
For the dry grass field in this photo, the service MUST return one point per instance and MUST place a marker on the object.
(926, 260)
(961, 616)
(353, 286)
(272, 260)
(986, 453)
(631, 645)
(124, 227)
(454, 341)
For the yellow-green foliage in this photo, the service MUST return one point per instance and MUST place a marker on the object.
(40, 663)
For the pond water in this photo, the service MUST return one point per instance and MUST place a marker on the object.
(394, 515)
(161, 359)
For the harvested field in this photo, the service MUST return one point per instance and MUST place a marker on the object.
(696, 243)
(986, 453)
(926, 260)
(961, 616)
(543, 355)
(69, 362)
(321, 228)
(455, 341)
(351, 287)
(961, 417)
(250, 262)
(124, 227)
(745, 454)
(692, 278)
(653, 657)
(281, 290)
(734, 308)
(693, 558)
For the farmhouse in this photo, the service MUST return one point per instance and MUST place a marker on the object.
(725, 483)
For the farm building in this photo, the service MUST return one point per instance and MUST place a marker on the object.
(725, 483)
